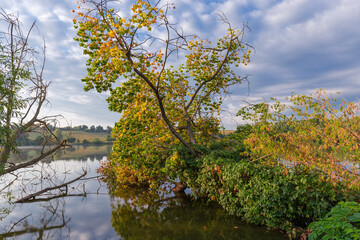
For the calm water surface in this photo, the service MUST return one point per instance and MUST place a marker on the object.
(87, 210)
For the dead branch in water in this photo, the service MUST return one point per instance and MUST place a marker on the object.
(32, 196)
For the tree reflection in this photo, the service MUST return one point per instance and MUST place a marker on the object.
(76, 152)
(49, 223)
(138, 214)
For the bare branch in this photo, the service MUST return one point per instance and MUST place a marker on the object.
(32, 196)
(35, 160)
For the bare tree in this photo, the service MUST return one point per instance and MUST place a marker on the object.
(49, 223)
(23, 93)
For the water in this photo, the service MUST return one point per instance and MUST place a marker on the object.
(87, 210)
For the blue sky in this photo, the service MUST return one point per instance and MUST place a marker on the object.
(300, 45)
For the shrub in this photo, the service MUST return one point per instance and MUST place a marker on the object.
(97, 141)
(313, 131)
(342, 222)
(266, 195)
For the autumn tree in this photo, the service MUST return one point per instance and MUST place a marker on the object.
(168, 86)
(314, 131)
(23, 94)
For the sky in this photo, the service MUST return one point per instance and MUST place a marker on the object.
(300, 45)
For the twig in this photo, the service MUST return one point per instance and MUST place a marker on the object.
(35, 160)
(49, 189)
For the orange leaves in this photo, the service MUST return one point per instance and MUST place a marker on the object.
(312, 136)
(111, 34)
(156, 97)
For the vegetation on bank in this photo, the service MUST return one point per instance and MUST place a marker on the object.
(286, 193)
(289, 168)
(23, 93)
(75, 135)
(293, 165)
(342, 222)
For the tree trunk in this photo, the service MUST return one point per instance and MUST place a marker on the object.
(180, 187)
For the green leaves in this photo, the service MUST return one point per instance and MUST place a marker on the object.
(311, 131)
(342, 222)
(354, 218)
(262, 194)
(161, 105)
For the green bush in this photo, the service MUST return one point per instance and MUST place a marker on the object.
(97, 141)
(342, 222)
(265, 195)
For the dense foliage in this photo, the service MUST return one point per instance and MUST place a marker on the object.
(313, 131)
(286, 170)
(342, 222)
(260, 194)
(161, 104)
(278, 197)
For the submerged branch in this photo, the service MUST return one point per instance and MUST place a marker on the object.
(32, 196)
(35, 160)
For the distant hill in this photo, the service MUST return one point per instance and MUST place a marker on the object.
(91, 137)
(73, 136)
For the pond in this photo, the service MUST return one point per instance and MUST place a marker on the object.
(88, 210)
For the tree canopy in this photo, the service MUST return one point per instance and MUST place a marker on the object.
(313, 131)
(168, 86)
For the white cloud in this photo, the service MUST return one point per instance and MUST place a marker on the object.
(300, 45)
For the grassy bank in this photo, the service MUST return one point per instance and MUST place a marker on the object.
(74, 137)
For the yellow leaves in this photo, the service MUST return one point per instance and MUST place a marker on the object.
(141, 126)
(217, 169)
(190, 44)
(111, 34)
(319, 141)
(175, 157)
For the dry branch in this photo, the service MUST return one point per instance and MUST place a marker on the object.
(35, 160)
(32, 196)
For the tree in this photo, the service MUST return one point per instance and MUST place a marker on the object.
(314, 132)
(58, 134)
(92, 128)
(161, 104)
(108, 129)
(76, 128)
(99, 129)
(71, 140)
(23, 93)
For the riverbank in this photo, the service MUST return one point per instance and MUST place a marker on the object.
(90, 210)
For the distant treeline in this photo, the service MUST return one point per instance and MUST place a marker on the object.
(81, 134)
(85, 128)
